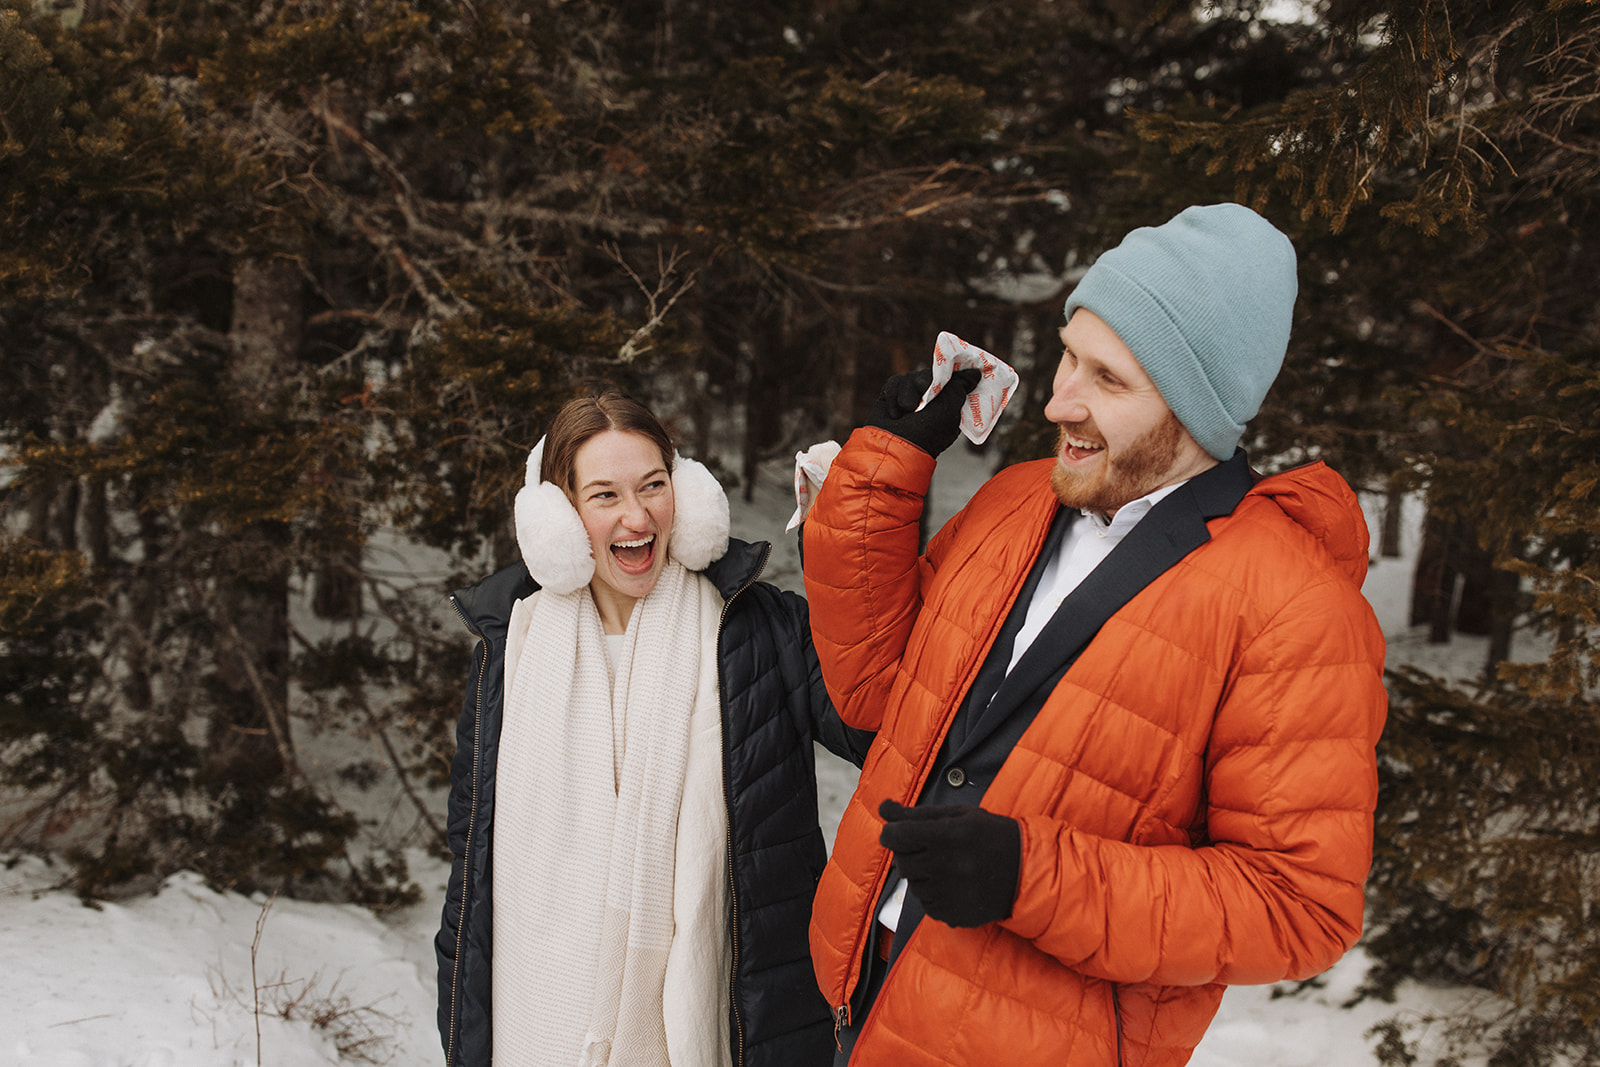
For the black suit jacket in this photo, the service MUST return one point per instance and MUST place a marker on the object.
(985, 730)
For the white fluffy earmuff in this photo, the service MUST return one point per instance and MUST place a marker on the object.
(700, 525)
(555, 546)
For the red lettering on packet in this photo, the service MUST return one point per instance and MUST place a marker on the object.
(976, 407)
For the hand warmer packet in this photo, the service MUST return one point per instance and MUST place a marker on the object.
(978, 416)
(988, 399)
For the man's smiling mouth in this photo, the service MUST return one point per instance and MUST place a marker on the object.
(1079, 448)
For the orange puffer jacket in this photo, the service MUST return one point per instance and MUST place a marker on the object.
(1195, 796)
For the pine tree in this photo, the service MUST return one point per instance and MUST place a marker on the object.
(214, 264)
(1440, 179)
(286, 275)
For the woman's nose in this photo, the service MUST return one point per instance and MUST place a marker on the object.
(634, 514)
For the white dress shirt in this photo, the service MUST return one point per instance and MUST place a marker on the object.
(1084, 548)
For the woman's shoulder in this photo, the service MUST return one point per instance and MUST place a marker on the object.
(486, 605)
(754, 604)
(740, 566)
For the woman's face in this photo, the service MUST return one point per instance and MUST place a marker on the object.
(623, 492)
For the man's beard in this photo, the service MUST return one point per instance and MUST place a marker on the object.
(1141, 468)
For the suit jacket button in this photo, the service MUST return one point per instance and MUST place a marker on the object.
(956, 777)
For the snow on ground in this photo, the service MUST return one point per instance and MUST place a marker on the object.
(166, 981)
(170, 980)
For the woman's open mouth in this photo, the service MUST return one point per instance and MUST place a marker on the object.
(635, 557)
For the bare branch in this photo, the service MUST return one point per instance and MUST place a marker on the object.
(655, 308)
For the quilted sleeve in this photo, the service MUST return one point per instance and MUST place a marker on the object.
(863, 577)
(1275, 890)
(809, 693)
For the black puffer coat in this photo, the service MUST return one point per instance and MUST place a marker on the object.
(774, 705)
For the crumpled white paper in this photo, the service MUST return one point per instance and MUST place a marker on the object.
(810, 467)
(986, 401)
(978, 415)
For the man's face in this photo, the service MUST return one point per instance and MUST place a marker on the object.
(1118, 439)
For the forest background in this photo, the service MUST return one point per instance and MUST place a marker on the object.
(283, 283)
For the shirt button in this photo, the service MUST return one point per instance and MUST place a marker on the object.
(956, 777)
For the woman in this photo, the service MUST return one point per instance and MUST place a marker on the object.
(633, 800)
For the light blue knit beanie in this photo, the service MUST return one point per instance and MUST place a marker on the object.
(1205, 302)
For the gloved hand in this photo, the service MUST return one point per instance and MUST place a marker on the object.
(962, 862)
(934, 428)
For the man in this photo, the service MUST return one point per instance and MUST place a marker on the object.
(1126, 703)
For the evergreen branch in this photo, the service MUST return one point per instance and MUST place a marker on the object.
(612, 223)
(275, 715)
(440, 841)
(357, 694)
(387, 245)
(1455, 328)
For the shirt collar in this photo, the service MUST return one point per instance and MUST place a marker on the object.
(1129, 514)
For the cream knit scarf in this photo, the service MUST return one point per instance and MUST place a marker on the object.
(611, 927)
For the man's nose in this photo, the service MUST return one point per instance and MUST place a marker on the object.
(1066, 402)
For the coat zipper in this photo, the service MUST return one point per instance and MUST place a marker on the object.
(472, 821)
(841, 1012)
(1116, 1015)
(733, 885)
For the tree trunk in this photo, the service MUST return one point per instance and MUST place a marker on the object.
(251, 735)
(336, 586)
(1504, 589)
(1433, 585)
(756, 415)
(842, 400)
(38, 520)
(97, 523)
(1453, 589)
(764, 403)
(1389, 538)
(700, 401)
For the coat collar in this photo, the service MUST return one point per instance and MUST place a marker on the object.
(1175, 527)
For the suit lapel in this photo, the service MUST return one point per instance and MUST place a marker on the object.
(1175, 527)
(998, 658)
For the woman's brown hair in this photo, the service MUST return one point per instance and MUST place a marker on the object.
(586, 416)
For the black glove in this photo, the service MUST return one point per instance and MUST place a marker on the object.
(960, 861)
(934, 428)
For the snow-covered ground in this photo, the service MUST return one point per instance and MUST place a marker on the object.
(190, 977)
(167, 981)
